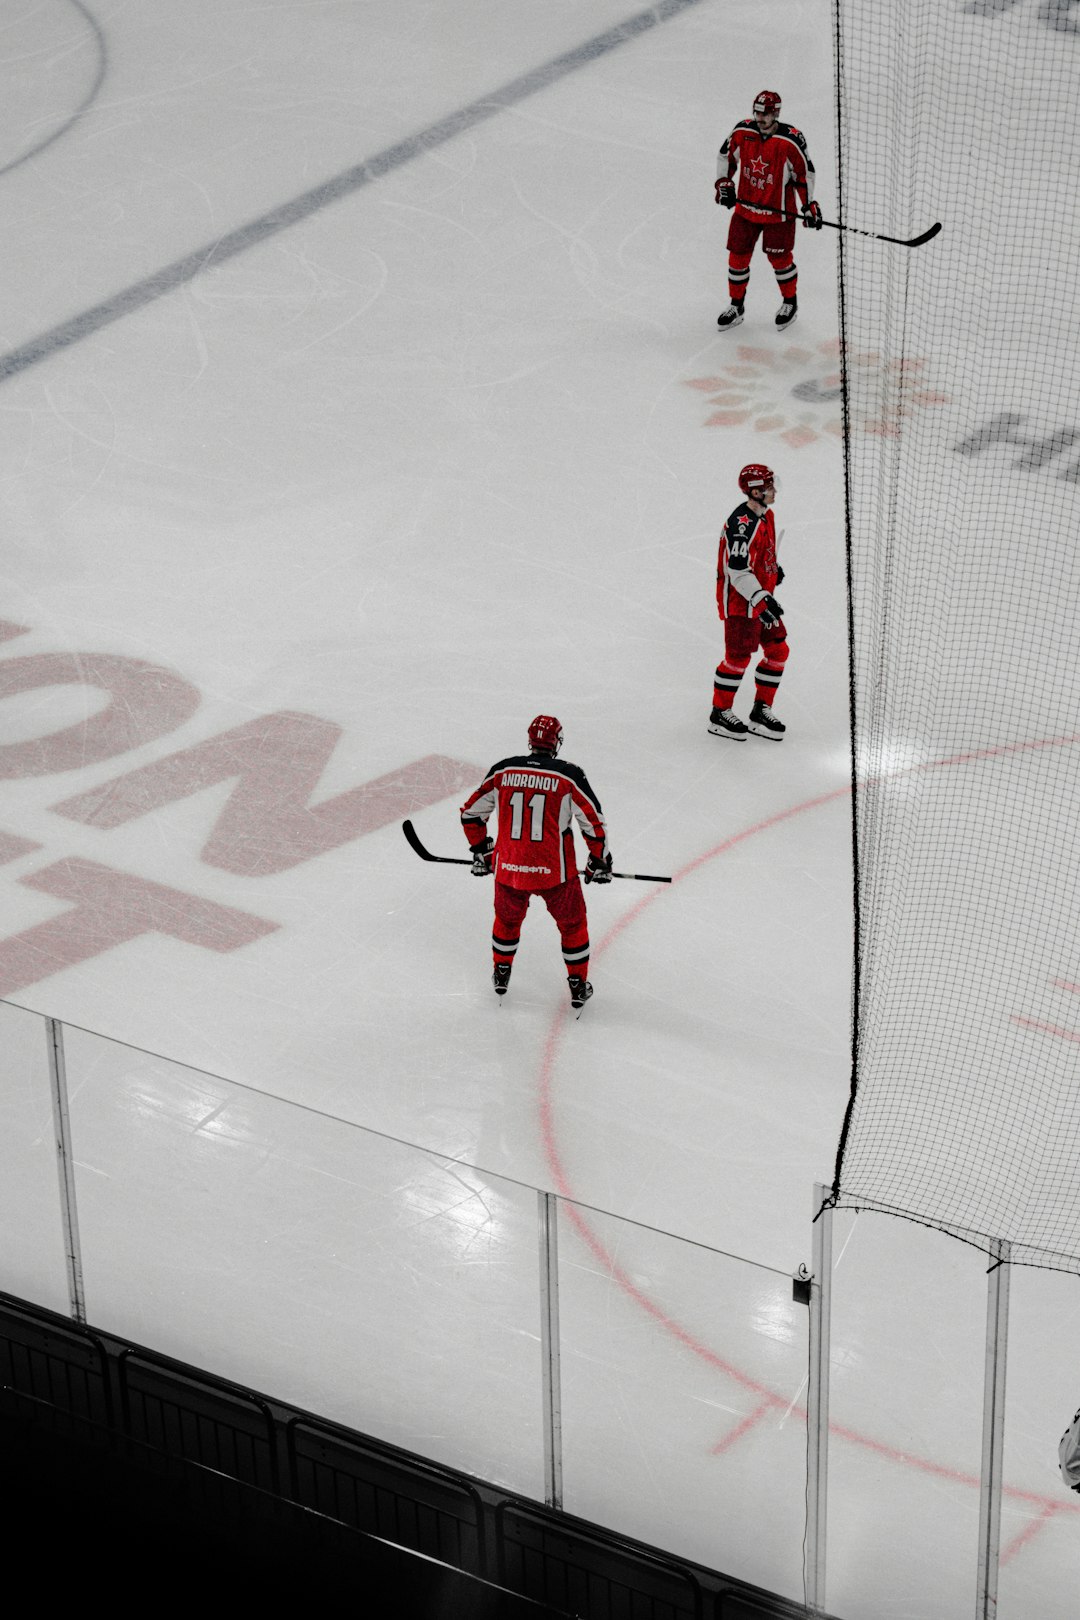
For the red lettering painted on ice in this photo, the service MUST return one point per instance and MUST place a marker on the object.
(268, 823)
(110, 908)
(145, 702)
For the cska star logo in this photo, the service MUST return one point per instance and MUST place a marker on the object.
(796, 394)
(757, 172)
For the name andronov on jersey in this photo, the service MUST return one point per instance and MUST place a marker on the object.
(526, 779)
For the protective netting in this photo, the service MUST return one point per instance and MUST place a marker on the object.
(962, 442)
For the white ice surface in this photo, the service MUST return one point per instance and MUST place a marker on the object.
(429, 462)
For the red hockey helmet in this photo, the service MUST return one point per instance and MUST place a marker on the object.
(767, 101)
(545, 734)
(756, 477)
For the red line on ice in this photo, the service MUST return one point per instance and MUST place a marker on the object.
(1030, 1531)
(1046, 1029)
(750, 1421)
(768, 1399)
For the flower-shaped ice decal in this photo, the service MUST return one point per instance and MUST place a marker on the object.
(796, 392)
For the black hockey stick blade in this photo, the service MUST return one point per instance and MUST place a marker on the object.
(425, 854)
(927, 236)
(901, 241)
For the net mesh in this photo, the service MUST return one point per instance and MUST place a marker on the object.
(962, 449)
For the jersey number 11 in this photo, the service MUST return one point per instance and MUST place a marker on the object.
(536, 807)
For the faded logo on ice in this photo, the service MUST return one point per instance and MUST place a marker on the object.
(1011, 434)
(270, 820)
(795, 392)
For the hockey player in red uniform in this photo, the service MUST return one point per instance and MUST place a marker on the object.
(747, 573)
(775, 172)
(538, 797)
(1069, 1454)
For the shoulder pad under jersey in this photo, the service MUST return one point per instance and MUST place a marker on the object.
(537, 763)
(740, 528)
(793, 134)
(566, 767)
(513, 762)
(582, 783)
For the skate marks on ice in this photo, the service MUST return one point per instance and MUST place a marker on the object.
(256, 231)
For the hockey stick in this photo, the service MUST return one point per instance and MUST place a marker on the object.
(459, 860)
(901, 241)
(425, 854)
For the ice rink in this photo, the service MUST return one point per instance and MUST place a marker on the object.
(361, 397)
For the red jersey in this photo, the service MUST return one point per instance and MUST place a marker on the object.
(1069, 1454)
(775, 171)
(746, 570)
(538, 797)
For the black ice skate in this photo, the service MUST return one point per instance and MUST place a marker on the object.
(725, 723)
(787, 312)
(732, 316)
(580, 990)
(763, 723)
(501, 978)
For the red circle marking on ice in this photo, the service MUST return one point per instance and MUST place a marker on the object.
(768, 1398)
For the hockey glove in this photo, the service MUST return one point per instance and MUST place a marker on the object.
(598, 871)
(771, 611)
(811, 216)
(725, 193)
(779, 574)
(481, 858)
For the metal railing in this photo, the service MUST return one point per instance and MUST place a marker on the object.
(526, 1378)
